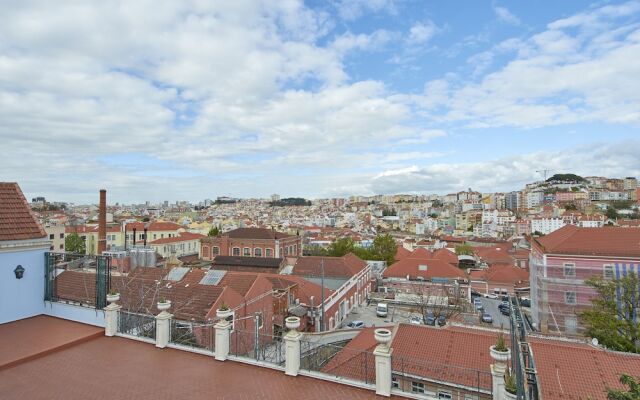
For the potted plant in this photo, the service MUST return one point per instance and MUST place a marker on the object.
(164, 304)
(499, 351)
(224, 312)
(113, 296)
(510, 387)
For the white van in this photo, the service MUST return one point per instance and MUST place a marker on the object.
(381, 310)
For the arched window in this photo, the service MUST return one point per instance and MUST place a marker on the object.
(246, 252)
(257, 252)
(216, 250)
(268, 253)
(236, 251)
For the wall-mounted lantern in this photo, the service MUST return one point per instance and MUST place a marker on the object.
(19, 271)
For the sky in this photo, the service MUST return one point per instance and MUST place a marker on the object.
(165, 100)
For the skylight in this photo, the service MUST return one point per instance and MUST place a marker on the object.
(212, 277)
(177, 274)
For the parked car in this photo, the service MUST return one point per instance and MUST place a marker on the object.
(477, 303)
(505, 311)
(415, 320)
(505, 298)
(382, 310)
(504, 305)
(442, 321)
(525, 302)
(490, 296)
(355, 324)
(486, 317)
(430, 320)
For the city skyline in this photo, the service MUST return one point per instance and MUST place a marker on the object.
(320, 99)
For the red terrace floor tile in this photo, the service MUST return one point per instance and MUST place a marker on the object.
(33, 337)
(118, 368)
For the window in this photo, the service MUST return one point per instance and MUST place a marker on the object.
(257, 252)
(61, 247)
(62, 236)
(51, 248)
(236, 251)
(51, 236)
(394, 383)
(246, 252)
(569, 269)
(269, 253)
(417, 387)
(216, 250)
(570, 297)
(154, 235)
(607, 272)
(444, 395)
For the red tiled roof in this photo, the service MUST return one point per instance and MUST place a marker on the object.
(182, 237)
(401, 253)
(435, 269)
(17, 222)
(446, 255)
(456, 356)
(573, 371)
(338, 267)
(606, 241)
(500, 273)
(420, 252)
(493, 255)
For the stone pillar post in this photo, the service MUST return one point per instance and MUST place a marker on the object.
(292, 346)
(498, 370)
(382, 355)
(111, 315)
(163, 325)
(223, 333)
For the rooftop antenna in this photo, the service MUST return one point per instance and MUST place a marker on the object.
(544, 172)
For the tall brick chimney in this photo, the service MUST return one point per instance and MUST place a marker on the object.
(102, 222)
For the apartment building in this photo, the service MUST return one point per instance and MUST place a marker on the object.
(56, 234)
(562, 261)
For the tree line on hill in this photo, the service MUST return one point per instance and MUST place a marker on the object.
(290, 201)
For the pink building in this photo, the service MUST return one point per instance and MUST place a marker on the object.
(561, 262)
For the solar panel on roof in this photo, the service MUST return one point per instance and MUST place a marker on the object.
(212, 277)
(177, 274)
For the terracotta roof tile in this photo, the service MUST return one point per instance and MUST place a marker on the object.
(338, 267)
(606, 241)
(17, 222)
(435, 269)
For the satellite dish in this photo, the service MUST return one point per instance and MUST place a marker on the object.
(594, 341)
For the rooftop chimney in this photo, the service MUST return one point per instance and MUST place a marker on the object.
(102, 222)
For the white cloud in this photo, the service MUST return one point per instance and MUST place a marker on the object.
(558, 77)
(422, 32)
(505, 15)
(354, 9)
(511, 173)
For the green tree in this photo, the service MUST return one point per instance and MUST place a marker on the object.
(464, 249)
(632, 394)
(612, 213)
(340, 247)
(73, 243)
(214, 231)
(570, 207)
(614, 319)
(384, 248)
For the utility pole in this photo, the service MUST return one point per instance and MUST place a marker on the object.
(322, 295)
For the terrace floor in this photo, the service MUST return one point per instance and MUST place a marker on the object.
(117, 368)
(35, 337)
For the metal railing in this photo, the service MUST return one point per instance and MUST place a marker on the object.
(257, 346)
(77, 278)
(410, 374)
(193, 334)
(522, 363)
(338, 361)
(138, 325)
